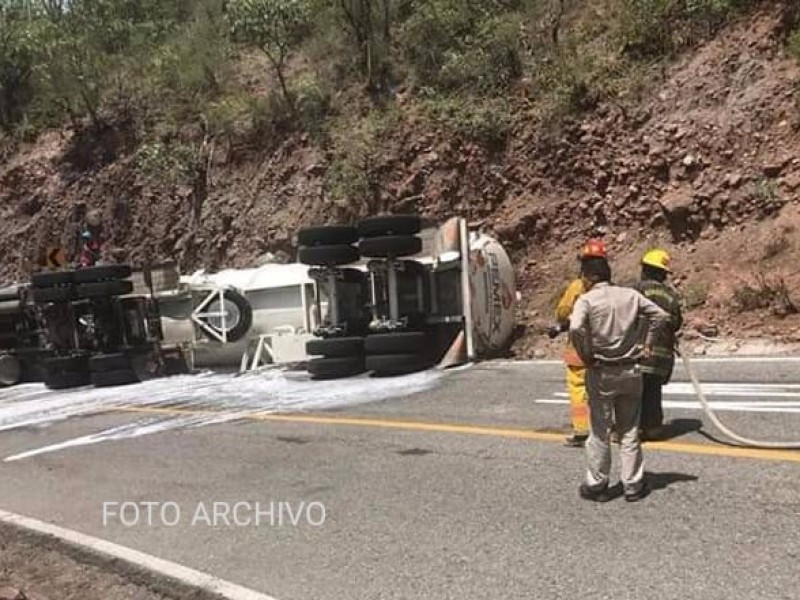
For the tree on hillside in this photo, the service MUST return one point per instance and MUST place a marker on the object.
(272, 26)
(19, 53)
(369, 23)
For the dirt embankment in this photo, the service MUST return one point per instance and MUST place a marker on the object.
(34, 567)
(706, 165)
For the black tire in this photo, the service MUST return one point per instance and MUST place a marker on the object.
(10, 307)
(62, 380)
(103, 289)
(62, 364)
(405, 342)
(9, 295)
(10, 370)
(390, 245)
(332, 368)
(114, 378)
(50, 279)
(328, 235)
(8, 341)
(242, 326)
(109, 362)
(328, 255)
(396, 364)
(336, 347)
(104, 273)
(384, 225)
(51, 294)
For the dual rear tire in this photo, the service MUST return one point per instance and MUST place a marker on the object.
(336, 357)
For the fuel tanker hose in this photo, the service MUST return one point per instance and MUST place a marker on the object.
(719, 425)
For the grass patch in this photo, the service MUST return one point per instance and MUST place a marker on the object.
(695, 295)
(351, 177)
(485, 121)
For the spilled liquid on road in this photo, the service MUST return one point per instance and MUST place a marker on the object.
(225, 397)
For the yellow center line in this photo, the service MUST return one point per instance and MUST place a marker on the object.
(466, 429)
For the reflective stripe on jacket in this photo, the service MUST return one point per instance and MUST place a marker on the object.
(665, 296)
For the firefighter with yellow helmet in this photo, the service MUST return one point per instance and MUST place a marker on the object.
(657, 368)
(576, 370)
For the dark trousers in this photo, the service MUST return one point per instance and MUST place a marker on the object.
(652, 413)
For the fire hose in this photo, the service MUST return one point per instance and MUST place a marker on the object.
(719, 425)
(557, 329)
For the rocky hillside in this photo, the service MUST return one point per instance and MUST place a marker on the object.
(701, 159)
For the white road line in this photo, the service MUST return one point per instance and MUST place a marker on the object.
(733, 406)
(707, 359)
(162, 567)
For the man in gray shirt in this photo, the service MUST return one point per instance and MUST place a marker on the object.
(612, 329)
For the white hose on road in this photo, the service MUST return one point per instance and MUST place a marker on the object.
(718, 424)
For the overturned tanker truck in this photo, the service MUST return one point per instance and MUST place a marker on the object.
(388, 296)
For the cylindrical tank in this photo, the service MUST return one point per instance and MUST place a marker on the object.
(493, 294)
(274, 292)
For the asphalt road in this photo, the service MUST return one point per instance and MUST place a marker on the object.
(459, 489)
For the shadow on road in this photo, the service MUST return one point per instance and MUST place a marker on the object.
(678, 427)
(660, 481)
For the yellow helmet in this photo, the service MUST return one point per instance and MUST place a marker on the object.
(657, 258)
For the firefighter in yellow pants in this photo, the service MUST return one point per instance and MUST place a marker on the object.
(576, 370)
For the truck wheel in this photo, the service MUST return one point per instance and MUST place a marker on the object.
(62, 380)
(10, 307)
(390, 245)
(396, 364)
(239, 319)
(103, 273)
(390, 225)
(328, 255)
(50, 279)
(405, 342)
(336, 347)
(8, 341)
(332, 368)
(46, 295)
(10, 370)
(114, 378)
(66, 363)
(109, 362)
(102, 289)
(327, 235)
(9, 294)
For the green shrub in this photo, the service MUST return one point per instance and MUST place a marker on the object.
(653, 29)
(764, 292)
(695, 295)
(174, 162)
(350, 178)
(312, 101)
(456, 45)
(484, 121)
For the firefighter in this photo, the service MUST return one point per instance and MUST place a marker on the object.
(576, 370)
(657, 369)
(605, 329)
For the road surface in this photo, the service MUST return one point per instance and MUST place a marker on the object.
(436, 486)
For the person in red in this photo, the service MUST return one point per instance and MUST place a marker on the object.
(90, 249)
